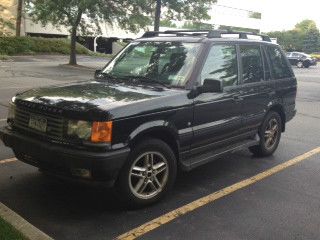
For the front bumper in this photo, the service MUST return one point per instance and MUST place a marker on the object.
(63, 160)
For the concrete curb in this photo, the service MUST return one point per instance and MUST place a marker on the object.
(25, 228)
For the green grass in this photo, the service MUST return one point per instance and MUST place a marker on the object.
(37, 45)
(7, 232)
(4, 57)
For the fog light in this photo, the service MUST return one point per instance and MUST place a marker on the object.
(81, 172)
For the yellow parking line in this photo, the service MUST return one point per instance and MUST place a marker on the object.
(8, 160)
(168, 217)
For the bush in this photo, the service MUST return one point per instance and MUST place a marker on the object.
(316, 56)
(32, 45)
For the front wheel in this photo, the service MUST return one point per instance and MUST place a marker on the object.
(270, 134)
(148, 174)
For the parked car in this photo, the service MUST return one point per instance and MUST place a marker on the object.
(167, 101)
(301, 59)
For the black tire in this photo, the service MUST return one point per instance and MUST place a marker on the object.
(306, 64)
(124, 185)
(266, 148)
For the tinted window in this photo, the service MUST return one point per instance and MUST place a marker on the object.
(279, 66)
(222, 65)
(252, 66)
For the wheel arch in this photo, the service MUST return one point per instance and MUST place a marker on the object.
(160, 130)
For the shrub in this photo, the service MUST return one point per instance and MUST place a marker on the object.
(28, 45)
(316, 56)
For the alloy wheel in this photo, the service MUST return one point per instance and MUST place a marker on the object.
(148, 175)
(271, 133)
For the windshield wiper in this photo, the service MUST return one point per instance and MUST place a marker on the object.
(145, 79)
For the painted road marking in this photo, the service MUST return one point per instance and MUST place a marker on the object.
(8, 160)
(170, 216)
(3, 120)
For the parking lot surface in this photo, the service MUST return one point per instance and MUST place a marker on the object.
(282, 206)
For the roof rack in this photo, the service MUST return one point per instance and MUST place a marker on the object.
(207, 33)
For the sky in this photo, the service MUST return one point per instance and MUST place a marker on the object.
(279, 14)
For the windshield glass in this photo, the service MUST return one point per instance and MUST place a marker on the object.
(164, 62)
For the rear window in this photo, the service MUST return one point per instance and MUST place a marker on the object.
(279, 65)
(252, 66)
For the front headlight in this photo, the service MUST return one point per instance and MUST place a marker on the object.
(96, 132)
(80, 129)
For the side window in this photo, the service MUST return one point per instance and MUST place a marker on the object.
(279, 66)
(252, 66)
(222, 65)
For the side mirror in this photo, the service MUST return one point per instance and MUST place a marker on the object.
(211, 85)
(97, 73)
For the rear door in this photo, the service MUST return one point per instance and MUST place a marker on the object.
(256, 89)
(217, 116)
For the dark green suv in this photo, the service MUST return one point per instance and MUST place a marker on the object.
(170, 100)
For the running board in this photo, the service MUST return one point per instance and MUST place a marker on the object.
(197, 161)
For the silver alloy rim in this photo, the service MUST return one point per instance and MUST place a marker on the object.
(299, 64)
(148, 175)
(271, 133)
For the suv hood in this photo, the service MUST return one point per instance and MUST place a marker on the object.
(94, 96)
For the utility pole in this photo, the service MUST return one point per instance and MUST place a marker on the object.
(157, 16)
(19, 18)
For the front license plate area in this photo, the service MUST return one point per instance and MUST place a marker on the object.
(38, 123)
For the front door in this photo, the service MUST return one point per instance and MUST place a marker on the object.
(217, 116)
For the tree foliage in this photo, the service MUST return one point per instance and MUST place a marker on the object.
(6, 25)
(305, 37)
(86, 15)
(193, 10)
(197, 26)
(167, 23)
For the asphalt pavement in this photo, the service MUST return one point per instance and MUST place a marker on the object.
(283, 206)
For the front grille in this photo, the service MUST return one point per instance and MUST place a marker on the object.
(55, 124)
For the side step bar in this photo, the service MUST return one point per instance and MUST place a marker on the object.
(212, 155)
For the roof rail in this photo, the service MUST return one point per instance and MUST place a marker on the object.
(207, 33)
(242, 35)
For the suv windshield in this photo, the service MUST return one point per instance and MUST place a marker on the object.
(168, 63)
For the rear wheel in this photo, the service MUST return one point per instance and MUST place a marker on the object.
(148, 175)
(300, 64)
(270, 134)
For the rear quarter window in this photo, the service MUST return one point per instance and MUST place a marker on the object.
(279, 65)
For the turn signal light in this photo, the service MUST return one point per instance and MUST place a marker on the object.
(101, 132)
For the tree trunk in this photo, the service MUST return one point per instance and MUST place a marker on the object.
(73, 57)
(19, 17)
(157, 16)
(73, 53)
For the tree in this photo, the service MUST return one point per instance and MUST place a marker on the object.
(311, 41)
(6, 25)
(167, 23)
(79, 15)
(305, 37)
(306, 25)
(197, 26)
(193, 10)
(19, 18)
